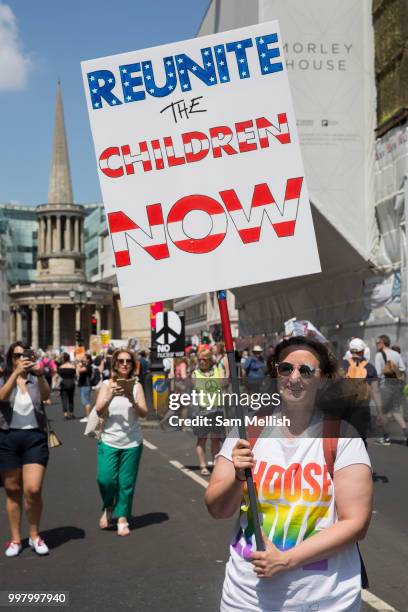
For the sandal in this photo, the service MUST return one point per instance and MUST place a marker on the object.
(105, 518)
(204, 471)
(123, 529)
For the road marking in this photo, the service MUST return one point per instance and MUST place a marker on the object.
(190, 473)
(149, 445)
(375, 602)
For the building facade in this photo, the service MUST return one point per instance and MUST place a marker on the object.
(202, 317)
(329, 48)
(50, 303)
(18, 242)
(390, 295)
(131, 322)
(4, 307)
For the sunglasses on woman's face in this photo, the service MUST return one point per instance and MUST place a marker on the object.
(286, 369)
(18, 355)
(124, 361)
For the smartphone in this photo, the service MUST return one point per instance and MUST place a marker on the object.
(29, 354)
(126, 384)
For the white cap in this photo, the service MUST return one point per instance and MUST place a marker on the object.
(257, 349)
(356, 344)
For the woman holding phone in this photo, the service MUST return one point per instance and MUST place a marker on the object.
(23, 444)
(120, 403)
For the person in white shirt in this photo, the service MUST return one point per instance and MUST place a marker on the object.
(311, 520)
(391, 372)
(121, 444)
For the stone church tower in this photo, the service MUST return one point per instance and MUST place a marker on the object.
(60, 221)
(61, 301)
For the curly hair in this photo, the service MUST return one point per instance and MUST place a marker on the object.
(327, 361)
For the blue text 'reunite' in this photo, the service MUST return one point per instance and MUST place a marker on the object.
(138, 80)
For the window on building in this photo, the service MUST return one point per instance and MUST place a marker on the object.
(25, 249)
(198, 312)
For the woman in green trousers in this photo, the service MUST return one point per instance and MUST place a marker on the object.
(120, 403)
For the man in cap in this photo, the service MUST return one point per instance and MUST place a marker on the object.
(357, 367)
(254, 369)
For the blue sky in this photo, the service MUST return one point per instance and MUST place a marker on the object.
(42, 41)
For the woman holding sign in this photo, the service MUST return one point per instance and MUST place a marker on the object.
(315, 498)
(120, 403)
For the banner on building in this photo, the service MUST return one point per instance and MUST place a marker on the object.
(199, 164)
(329, 50)
(169, 336)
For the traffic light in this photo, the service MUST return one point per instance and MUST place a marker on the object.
(94, 323)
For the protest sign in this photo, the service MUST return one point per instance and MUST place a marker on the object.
(199, 165)
(105, 338)
(95, 344)
(169, 334)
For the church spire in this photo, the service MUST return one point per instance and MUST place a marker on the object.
(60, 187)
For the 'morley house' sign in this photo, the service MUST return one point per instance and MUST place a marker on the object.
(199, 165)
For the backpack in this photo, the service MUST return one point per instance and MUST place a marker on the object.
(391, 370)
(357, 370)
(95, 377)
(331, 427)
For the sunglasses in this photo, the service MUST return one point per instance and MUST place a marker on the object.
(125, 361)
(18, 355)
(286, 369)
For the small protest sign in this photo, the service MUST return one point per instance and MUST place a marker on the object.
(169, 335)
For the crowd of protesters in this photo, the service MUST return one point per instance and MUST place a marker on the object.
(111, 390)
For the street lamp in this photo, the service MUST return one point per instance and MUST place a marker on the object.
(80, 296)
(80, 292)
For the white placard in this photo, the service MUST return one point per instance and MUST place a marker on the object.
(199, 164)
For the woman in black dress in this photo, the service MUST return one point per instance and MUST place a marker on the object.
(67, 373)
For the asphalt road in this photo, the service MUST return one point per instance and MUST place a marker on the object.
(175, 556)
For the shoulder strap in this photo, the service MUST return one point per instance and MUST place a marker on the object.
(384, 356)
(253, 433)
(331, 432)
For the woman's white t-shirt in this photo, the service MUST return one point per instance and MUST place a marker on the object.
(23, 412)
(122, 428)
(296, 498)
